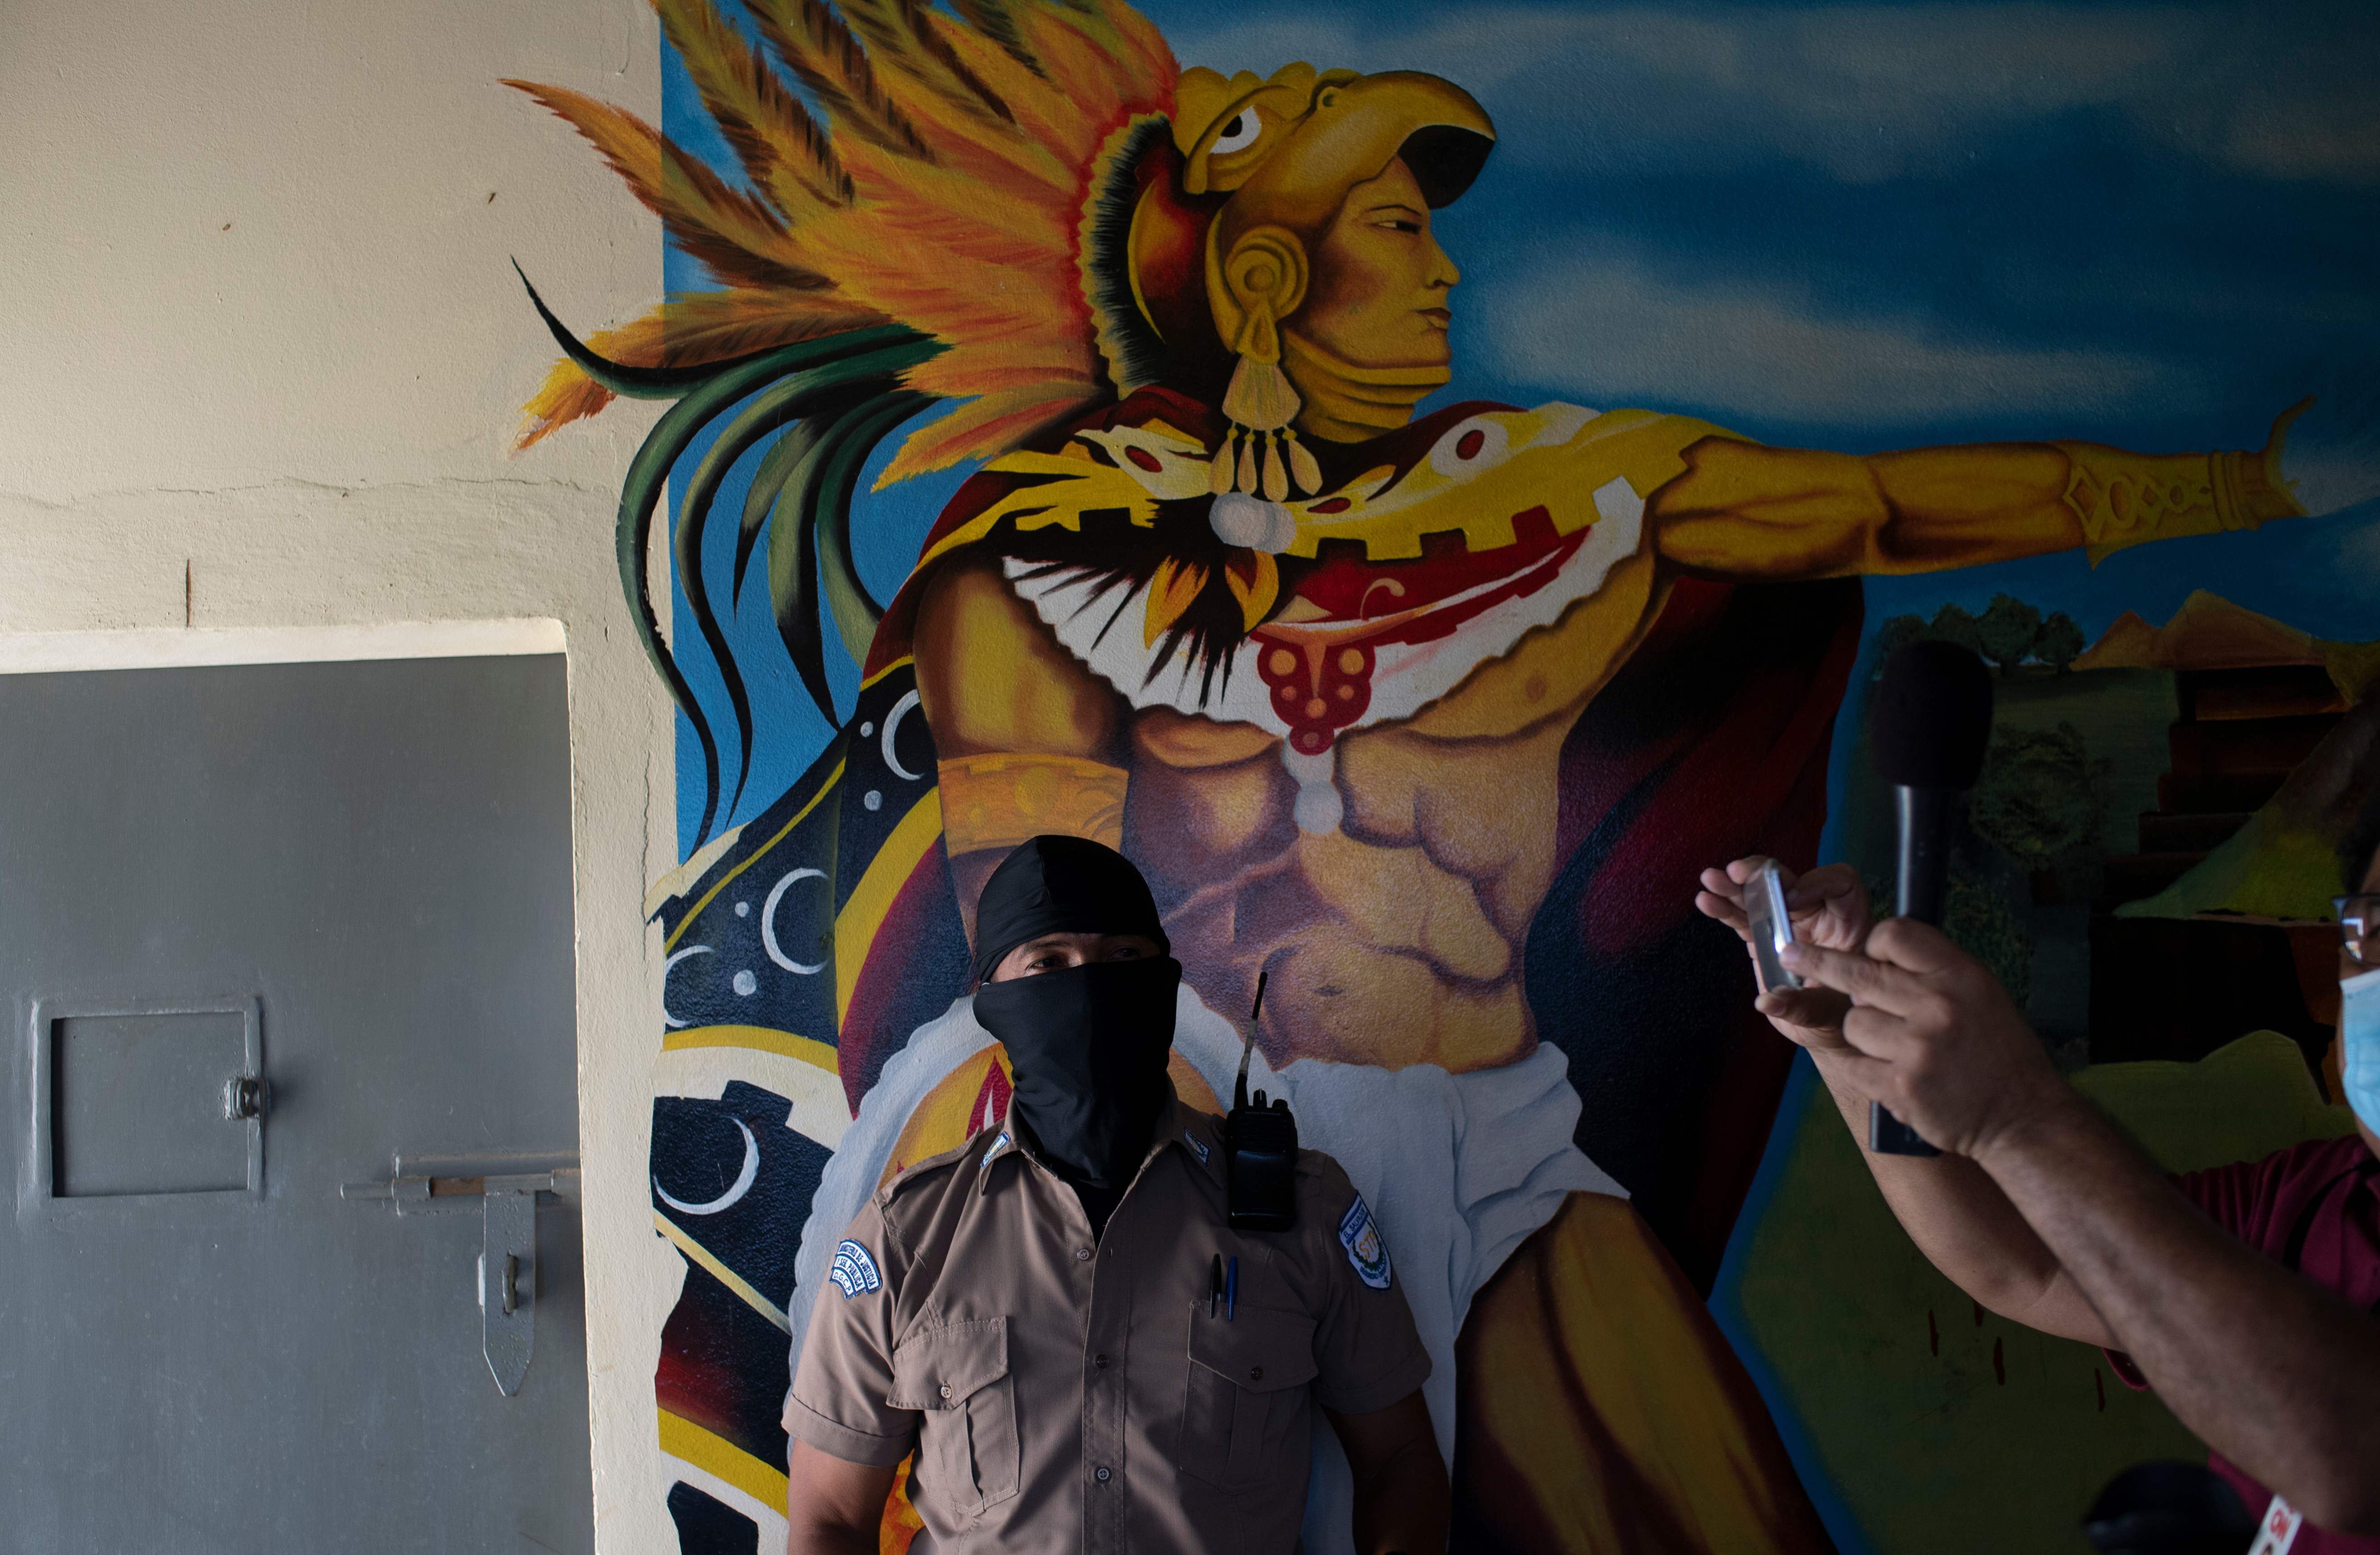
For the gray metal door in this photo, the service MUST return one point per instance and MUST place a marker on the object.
(351, 883)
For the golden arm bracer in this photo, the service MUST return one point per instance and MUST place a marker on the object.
(2124, 499)
(1000, 799)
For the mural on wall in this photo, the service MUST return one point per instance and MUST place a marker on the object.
(1062, 439)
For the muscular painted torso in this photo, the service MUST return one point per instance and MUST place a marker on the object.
(1396, 938)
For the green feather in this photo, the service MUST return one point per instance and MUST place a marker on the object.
(799, 537)
(861, 354)
(855, 611)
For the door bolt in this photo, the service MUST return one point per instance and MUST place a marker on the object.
(243, 1098)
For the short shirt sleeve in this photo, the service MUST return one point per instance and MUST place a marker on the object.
(845, 1372)
(1366, 1351)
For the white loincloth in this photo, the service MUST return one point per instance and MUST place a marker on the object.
(1458, 1170)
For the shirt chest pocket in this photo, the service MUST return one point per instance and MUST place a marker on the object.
(957, 1375)
(1245, 1396)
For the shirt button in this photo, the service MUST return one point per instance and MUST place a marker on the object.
(1255, 1374)
(1082, 1255)
(946, 1390)
(1101, 1474)
(1100, 1362)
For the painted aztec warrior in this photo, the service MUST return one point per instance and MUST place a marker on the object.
(1431, 718)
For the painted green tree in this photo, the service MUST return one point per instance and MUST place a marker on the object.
(2061, 642)
(2006, 631)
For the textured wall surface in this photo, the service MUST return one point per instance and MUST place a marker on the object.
(264, 346)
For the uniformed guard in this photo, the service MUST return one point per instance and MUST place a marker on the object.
(1057, 1319)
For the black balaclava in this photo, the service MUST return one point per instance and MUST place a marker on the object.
(1087, 1045)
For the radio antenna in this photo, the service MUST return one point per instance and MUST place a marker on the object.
(1248, 1045)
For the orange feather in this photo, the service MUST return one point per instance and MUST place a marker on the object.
(688, 329)
(809, 40)
(733, 234)
(1173, 591)
(940, 186)
(992, 424)
(784, 151)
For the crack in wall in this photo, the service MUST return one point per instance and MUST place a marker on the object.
(302, 485)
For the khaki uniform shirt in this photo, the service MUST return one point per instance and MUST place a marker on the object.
(1063, 1396)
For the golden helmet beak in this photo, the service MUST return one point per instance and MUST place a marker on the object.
(1293, 146)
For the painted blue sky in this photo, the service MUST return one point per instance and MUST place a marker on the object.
(1876, 226)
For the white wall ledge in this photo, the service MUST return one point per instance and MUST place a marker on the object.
(153, 648)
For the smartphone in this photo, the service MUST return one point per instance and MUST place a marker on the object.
(1772, 928)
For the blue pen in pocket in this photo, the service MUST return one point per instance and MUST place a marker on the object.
(1232, 1288)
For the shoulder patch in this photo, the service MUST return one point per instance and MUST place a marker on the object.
(854, 1272)
(1198, 1145)
(1366, 1251)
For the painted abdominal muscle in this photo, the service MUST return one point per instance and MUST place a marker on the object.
(1395, 939)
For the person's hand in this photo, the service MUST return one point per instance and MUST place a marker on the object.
(1933, 1035)
(1828, 907)
(2268, 488)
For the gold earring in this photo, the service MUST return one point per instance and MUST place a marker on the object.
(1260, 404)
(1252, 469)
(1248, 477)
(1265, 277)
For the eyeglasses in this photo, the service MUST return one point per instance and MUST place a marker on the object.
(2359, 926)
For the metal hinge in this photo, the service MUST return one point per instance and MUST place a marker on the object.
(506, 1189)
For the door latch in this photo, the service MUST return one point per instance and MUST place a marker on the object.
(243, 1098)
(505, 1191)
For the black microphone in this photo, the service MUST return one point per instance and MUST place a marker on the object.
(1932, 720)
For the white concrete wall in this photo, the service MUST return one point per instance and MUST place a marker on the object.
(261, 338)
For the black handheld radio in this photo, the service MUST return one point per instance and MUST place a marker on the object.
(1260, 1150)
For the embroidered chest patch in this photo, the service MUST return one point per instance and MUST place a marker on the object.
(1366, 1251)
(854, 1273)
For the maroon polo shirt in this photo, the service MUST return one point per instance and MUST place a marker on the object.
(2313, 1208)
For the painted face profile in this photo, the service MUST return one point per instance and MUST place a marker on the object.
(1382, 282)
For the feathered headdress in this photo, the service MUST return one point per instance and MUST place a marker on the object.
(1026, 207)
(915, 235)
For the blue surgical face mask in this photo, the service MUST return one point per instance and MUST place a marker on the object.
(2358, 1038)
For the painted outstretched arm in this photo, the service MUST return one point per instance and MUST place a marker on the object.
(1744, 511)
(1030, 741)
